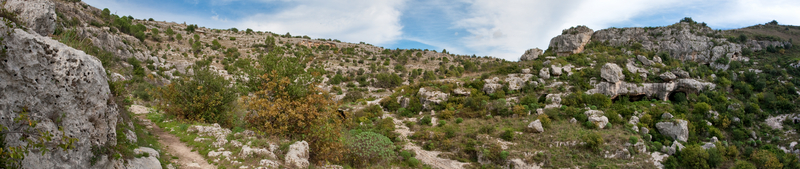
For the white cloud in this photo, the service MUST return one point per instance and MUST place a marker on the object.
(376, 22)
(742, 13)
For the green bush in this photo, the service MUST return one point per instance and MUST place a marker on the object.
(507, 135)
(387, 80)
(203, 96)
(369, 147)
(743, 164)
(459, 120)
(593, 141)
(426, 120)
(694, 156)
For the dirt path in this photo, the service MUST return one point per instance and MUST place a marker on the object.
(428, 157)
(187, 159)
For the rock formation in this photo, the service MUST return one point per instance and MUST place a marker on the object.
(428, 97)
(531, 54)
(571, 40)
(611, 73)
(536, 126)
(678, 130)
(297, 157)
(660, 91)
(38, 15)
(50, 80)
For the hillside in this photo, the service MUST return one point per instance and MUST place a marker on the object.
(676, 96)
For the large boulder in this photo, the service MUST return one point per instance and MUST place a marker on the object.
(668, 76)
(571, 40)
(556, 70)
(517, 81)
(544, 73)
(297, 157)
(612, 73)
(597, 117)
(38, 15)
(149, 159)
(678, 130)
(491, 85)
(531, 54)
(49, 80)
(536, 126)
(428, 97)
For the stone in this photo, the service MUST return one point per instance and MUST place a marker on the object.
(556, 70)
(247, 151)
(544, 73)
(297, 157)
(130, 136)
(491, 85)
(38, 15)
(268, 163)
(634, 120)
(571, 41)
(644, 60)
(681, 73)
(644, 130)
(612, 73)
(640, 147)
(668, 76)
(536, 126)
(429, 97)
(657, 59)
(117, 77)
(516, 82)
(573, 120)
(676, 146)
(677, 130)
(526, 71)
(462, 91)
(531, 54)
(666, 116)
(150, 161)
(600, 121)
(403, 101)
(51, 79)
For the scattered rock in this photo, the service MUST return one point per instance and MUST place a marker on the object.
(681, 73)
(556, 70)
(150, 161)
(460, 91)
(573, 120)
(531, 54)
(597, 117)
(536, 126)
(526, 71)
(666, 116)
(634, 120)
(297, 157)
(644, 60)
(612, 73)
(644, 130)
(428, 97)
(677, 130)
(544, 73)
(268, 163)
(247, 151)
(668, 76)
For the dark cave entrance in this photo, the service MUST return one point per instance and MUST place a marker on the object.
(677, 97)
(629, 98)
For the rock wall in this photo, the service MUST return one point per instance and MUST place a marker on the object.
(571, 40)
(38, 15)
(59, 87)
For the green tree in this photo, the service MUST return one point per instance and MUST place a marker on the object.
(203, 96)
(593, 141)
(766, 160)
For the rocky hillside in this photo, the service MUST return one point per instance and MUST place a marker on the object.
(677, 96)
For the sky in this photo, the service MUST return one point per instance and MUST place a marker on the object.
(498, 28)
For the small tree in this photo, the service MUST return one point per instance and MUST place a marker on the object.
(694, 156)
(203, 96)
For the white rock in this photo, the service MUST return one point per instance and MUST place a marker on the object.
(536, 126)
(297, 157)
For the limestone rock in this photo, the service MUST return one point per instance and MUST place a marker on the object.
(654, 90)
(571, 40)
(147, 162)
(597, 117)
(491, 85)
(544, 73)
(50, 79)
(644, 130)
(668, 76)
(666, 116)
(431, 97)
(297, 157)
(403, 101)
(678, 130)
(526, 71)
(556, 70)
(644, 60)
(247, 151)
(612, 73)
(681, 73)
(462, 91)
(516, 81)
(634, 120)
(531, 54)
(38, 15)
(536, 126)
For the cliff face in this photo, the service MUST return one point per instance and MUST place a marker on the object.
(62, 89)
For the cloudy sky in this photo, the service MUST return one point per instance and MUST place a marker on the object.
(499, 28)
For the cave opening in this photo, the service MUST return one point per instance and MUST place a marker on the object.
(629, 98)
(677, 97)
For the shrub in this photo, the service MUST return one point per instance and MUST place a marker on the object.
(694, 156)
(507, 135)
(426, 120)
(545, 120)
(486, 129)
(369, 147)
(203, 96)
(459, 120)
(593, 141)
(743, 164)
(766, 160)
(441, 123)
(386, 80)
(634, 140)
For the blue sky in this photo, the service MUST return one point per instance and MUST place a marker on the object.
(499, 28)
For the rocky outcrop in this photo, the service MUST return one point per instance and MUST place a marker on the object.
(668, 76)
(681, 73)
(556, 70)
(462, 91)
(297, 157)
(491, 85)
(597, 117)
(683, 41)
(149, 159)
(428, 97)
(51, 81)
(536, 126)
(571, 40)
(660, 91)
(38, 15)
(678, 130)
(531, 54)
(611, 73)
(644, 60)
(544, 73)
(517, 81)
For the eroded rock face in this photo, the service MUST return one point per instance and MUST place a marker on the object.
(38, 15)
(678, 130)
(49, 80)
(516, 82)
(491, 85)
(611, 73)
(428, 97)
(146, 162)
(653, 90)
(297, 157)
(668, 76)
(531, 54)
(571, 40)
